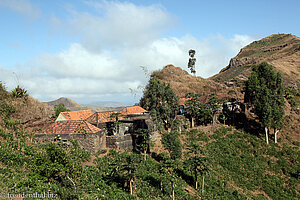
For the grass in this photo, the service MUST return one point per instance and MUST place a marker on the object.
(274, 39)
(256, 53)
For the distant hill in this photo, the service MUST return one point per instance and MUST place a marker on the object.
(280, 50)
(69, 103)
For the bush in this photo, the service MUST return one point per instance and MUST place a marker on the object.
(60, 108)
(172, 143)
(19, 92)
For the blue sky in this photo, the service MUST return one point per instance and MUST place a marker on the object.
(92, 50)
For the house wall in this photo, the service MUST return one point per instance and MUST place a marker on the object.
(91, 142)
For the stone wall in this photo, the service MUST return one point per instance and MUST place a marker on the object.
(119, 142)
(92, 142)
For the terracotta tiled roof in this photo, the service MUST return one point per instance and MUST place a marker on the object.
(71, 126)
(77, 115)
(133, 110)
(102, 117)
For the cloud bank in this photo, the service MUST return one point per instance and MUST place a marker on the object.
(115, 41)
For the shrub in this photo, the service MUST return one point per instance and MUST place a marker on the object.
(60, 108)
(19, 92)
(172, 143)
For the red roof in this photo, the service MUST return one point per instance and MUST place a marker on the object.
(77, 115)
(133, 110)
(71, 126)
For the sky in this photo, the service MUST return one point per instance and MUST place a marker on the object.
(92, 51)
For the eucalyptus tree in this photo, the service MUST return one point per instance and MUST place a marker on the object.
(192, 61)
(264, 91)
(162, 103)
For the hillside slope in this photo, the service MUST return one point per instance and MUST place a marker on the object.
(182, 82)
(280, 50)
(25, 110)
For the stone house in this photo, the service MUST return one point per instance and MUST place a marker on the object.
(96, 131)
(131, 119)
(88, 136)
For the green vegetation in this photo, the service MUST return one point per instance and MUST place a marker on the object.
(290, 95)
(160, 100)
(143, 146)
(257, 53)
(274, 39)
(264, 91)
(60, 108)
(19, 92)
(221, 162)
(116, 125)
(202, 112)
(172, 143)
(225, 164)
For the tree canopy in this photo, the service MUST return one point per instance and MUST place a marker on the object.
(264, 91)
(160, 100)
(60, 108)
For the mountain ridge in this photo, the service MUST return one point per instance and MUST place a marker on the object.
(280, 50)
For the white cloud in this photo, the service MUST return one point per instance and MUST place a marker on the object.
(119, 24)
(23, 7)
(114, 44)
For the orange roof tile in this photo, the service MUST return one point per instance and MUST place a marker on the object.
(77, 115)
(133, 110)
(71, 127)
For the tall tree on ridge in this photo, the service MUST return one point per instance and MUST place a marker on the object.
(192, 61)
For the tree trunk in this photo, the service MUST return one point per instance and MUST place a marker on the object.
(133, 184)
(276, 131)
(203, 184)
(173, 192)
(267, 138)
(145, 150)
(192, 122)
(196, 179)
(131, 188)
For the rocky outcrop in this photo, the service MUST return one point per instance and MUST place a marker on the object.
(280, 50)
